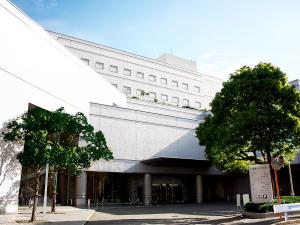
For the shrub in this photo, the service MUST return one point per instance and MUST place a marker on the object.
(268, 207)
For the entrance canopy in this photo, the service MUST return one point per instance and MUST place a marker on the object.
(177, 162)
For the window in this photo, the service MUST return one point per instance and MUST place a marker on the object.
(127, 72)
(140, 92)
(152, 78)
(152, 96)
(163, 81)
(86, 61)
(140, 75)
(115, 85)
(175, 100)
(198, 105)
(185, 86)
(164, 97)
(113, 69)
(186, 102)
(127, 90)
(197, 89)
(99, 66)
(174, 83)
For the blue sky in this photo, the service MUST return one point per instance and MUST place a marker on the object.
(220, 35)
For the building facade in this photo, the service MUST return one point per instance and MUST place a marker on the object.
(157, 158)
(35, 69)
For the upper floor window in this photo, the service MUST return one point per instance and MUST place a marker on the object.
(140, 92)
(152, 78)
(127, 72)
(185, 86)
(164, 97)
(113, 69)
(127, 90)
(198, 105)
(99, 66)
(196, 89)
(174, 83)
(86, 61)
(140, 75)
(163, 81)
(186, 102)
(175, 100)
(152, 95)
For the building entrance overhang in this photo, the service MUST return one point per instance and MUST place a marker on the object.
(177, 162)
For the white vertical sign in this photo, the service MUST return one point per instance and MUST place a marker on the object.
(260, 182)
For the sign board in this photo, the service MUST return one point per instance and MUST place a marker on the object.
(277, 163)
(260, 183)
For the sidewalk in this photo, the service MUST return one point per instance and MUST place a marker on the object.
(65, 215)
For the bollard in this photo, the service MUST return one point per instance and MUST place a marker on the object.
(71, 202)
(238, 202)
(89, 203)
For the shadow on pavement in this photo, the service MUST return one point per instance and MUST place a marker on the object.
(181, 221)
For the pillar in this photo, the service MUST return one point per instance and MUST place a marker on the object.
(147, 189)
(81, 190)
(199, 189)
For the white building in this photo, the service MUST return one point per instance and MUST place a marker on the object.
(156, 155)
(36, 69)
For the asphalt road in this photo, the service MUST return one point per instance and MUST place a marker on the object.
(185, 214)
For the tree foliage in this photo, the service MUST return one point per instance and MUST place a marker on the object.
(66, 142)
(256, 116)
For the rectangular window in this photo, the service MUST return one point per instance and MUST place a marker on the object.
(99, 66)
(163, 81)
(152, 78)
(140, 92)
(186, 102)
(174, 83)
(175, 100)
(115, 85)
(185, 86)
(152, 96)
(113, 69)
(86, 61)
(164, 97)
(127, 72)
(140, 75)
(127, 90)
(197, 89)
(197, 105)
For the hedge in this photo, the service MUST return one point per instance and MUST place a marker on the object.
(268, 207)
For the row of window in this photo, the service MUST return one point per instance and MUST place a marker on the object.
(152, 96)
(141, 75)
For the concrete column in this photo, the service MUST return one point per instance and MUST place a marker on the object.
(81, 189)
(147, 189)
(199, 189)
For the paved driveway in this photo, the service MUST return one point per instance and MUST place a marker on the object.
(186, 214)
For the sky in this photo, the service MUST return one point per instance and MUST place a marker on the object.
(220, 35)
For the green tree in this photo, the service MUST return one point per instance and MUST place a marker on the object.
(53, 137)
(256, 116)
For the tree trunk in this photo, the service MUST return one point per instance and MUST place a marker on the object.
(36, 193)
(53, 189)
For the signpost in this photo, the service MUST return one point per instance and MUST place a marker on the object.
(260, 182)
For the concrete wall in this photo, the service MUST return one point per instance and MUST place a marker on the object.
(35, 69)
(138, 134)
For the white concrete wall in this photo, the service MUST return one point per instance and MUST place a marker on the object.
(146, 133)
(35, 69)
